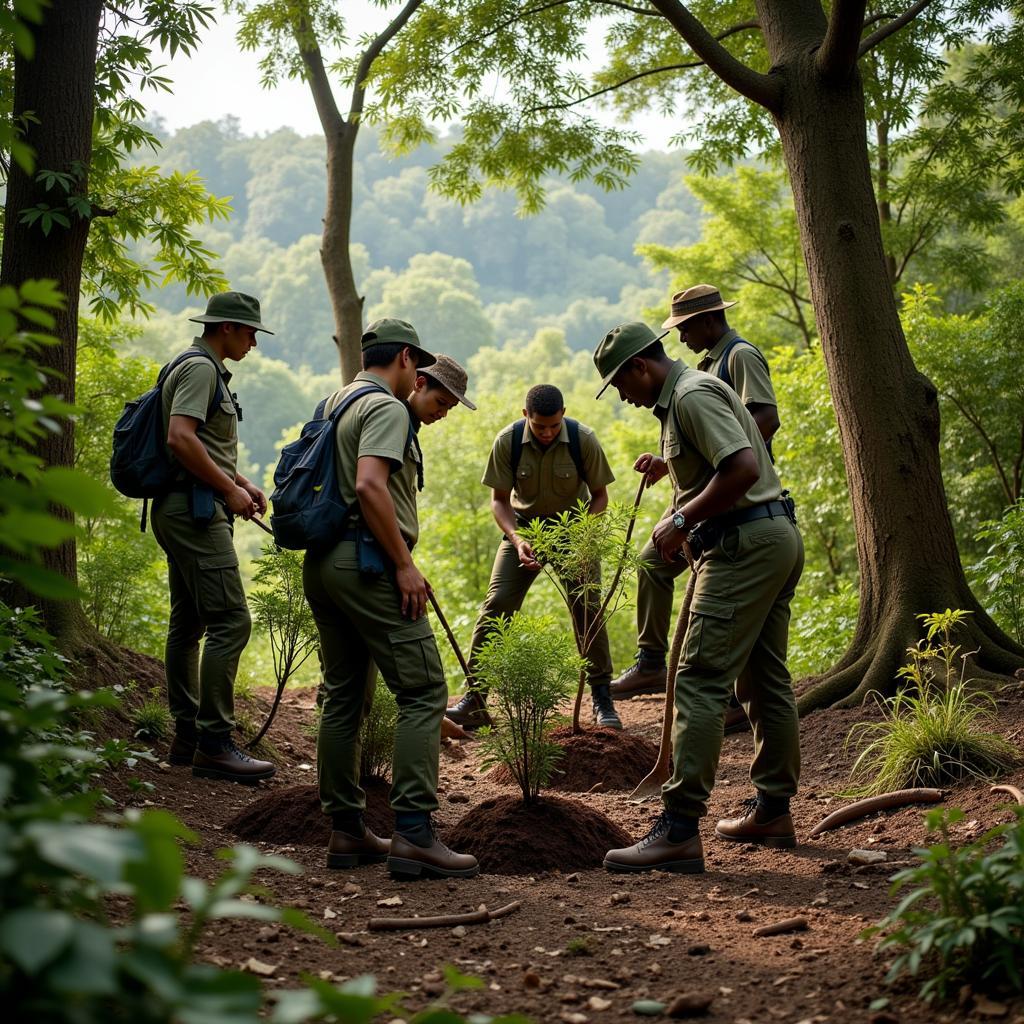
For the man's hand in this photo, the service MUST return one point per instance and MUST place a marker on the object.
(240, 502)
(654, 466)
(667, 539)
(414, 590)
(258, 497)
(527, 559)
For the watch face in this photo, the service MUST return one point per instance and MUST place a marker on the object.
(679, 521)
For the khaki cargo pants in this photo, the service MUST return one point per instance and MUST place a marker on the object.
(362, 629)
(739, 619)
(207, 599)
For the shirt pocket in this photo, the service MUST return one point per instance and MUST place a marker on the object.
(527, 483)
(709, 637)
(566, 480)
(417, 661)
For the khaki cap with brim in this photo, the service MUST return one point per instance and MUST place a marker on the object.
(451, 376)
(232, 308)
(701, 298)
(618, 346)
(390, 331)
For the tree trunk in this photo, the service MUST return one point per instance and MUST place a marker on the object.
(887, 411)
(346, 301)
(60, 132)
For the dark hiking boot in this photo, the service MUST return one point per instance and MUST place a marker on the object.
(183, 745)
(604, 709)
(348, 851)
(765, 823)
(645, 675)
(418, 853)
(218, 757)
(471, 711)
(660, 850)
(736, 718)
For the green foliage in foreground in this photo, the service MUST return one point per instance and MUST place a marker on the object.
(528, 664)
(963, 918)
(1001, 571)
(930, 734)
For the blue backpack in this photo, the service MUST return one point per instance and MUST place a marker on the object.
(140, 466)
(308, 510)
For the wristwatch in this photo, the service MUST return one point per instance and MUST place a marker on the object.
(679, 520)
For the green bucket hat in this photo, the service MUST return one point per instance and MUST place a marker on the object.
(232, 308)
(618, 346)
(399, 332)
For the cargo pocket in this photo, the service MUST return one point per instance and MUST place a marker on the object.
(709, 638)
(220, 585)
(417, 661)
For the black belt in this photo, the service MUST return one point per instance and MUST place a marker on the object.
(766, 510)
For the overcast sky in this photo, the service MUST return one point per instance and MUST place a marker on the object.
(222, 80)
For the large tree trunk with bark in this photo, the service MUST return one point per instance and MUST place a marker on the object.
(56, 88)
(887, 411)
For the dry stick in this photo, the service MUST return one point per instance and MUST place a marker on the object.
(650, 785)
(1011, 791)
(862, 808)
(398, 924)
(790, 924)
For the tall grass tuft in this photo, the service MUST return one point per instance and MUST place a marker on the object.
(932, 732)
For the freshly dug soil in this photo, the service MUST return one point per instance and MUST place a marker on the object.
(292, 816)
(596, 760)
(510, 838)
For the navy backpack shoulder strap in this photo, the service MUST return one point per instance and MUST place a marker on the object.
(218, 393)
(723, 366)
(575, 449)
(518, 434)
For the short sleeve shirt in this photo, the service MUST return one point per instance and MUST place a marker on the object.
(189, 390)
(547, 481)
(377, 425)
(703, 421)
(747, 368)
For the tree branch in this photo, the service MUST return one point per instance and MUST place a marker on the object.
(373, 52)
(838, 53)
(319, 84)
(757, 87)
(892, 26)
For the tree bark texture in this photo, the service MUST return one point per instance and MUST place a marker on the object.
(56, 88)
(887, 411)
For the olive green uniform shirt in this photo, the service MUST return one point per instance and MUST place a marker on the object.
(747, 368)
(702, 422)
(547, 481)
(188, 391)
(377, 424)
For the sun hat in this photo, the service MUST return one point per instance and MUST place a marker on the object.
(232, 308)
(701, 298)
(618, 346)
(451, 376)
(389, 331)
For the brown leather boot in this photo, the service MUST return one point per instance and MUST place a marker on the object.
(471, 711)
(349, 851)
(183, 746)
(657, 852)
(421, 854)
(218, 757)
(645, 675)
(759, 825)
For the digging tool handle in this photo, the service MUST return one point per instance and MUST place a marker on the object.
(449, 633)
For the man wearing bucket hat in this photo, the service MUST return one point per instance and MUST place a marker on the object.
(722, 479)
(193, 525)
(369, 601)
(698, 313)
(540, 466)
(438, 389)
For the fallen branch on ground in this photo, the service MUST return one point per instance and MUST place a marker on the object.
(398, 924)
(790, 924)
(885, 802)
(1013, 791)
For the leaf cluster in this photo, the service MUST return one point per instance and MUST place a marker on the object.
(377, 733)
(1001, 571)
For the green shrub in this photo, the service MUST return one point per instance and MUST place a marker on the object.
(151, 719)
(377, 733)
(1001, 571)
(930, 734)
(529, 666)
(963, 918)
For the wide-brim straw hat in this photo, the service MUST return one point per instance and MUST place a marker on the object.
(701, 298)
(451, 376)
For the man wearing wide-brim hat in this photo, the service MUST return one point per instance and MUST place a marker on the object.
(193, 525)
(698, 314)
(723, 480)
(438, 389)
(369, 600)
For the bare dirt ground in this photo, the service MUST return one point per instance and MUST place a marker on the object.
(586, 945)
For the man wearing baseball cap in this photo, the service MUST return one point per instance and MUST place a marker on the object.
(369, 600)
(698, 313)
(193, 525)
(723, 480)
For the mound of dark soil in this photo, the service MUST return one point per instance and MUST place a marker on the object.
(603, 758)
(292, 816)
(510, 838)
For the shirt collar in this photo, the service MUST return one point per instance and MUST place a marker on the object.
(208, 349)
(718, 348)
(678, 369)
(563, 437)
(372, 378)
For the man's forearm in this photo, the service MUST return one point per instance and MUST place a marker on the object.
(193, 457)
(504, 516)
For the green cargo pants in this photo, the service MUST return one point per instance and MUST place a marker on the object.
(739, 618)
(507, 590)
(654, 592)
(362, 629)
(206, 599)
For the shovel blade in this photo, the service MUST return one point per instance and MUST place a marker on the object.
(650, 786)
